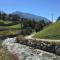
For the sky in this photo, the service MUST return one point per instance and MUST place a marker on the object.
(45, 8)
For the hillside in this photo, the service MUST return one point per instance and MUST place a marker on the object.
(31, 16)
(51, 32)
(9, 25)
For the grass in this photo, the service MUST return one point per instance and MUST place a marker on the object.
(51, 32)
(18, 26)
(8, 32)
(5, 22)
(15, 26)
(4, 55)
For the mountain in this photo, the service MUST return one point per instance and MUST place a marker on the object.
(30, 16)
(51, 32)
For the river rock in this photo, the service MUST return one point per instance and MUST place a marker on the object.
(57, 50)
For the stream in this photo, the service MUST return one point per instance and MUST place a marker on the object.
(24, 52)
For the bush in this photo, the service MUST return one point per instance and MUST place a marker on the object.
(26, 31)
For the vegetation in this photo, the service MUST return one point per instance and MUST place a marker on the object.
(8, 17)
(14, 21)
(58, 18)
(17, 26)
(35, 25)
(51, 32)
(8, 32)
(4, 55)
(5, 22)
(31, 23)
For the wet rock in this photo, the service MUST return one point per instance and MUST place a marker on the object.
(57, 50)
(32, 54)
(3, 37)
(40, 54)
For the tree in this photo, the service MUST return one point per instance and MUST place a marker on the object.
(58, 18)
(3, 15)
(0, 15)
(13, 17)
(37, 27)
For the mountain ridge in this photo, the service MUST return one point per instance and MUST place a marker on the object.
(31, 16)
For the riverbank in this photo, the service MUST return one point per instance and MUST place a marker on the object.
(46, 45)
(37, 44)
(5, 55)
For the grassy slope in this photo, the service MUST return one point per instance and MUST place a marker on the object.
(9, 32)
(51, 32)
(8, 22)
(5, 22)
(13, 26)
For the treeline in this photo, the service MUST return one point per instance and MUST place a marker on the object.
(9, 17)
(35, 25)
(27, 25)
(58, 19)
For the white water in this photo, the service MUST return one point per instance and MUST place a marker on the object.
(25, 52)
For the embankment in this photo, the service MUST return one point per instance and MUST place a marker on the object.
(39, 44)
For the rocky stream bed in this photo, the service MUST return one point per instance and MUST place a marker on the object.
(24, 52)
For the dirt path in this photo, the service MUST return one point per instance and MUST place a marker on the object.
(46, 40)
(30, 36)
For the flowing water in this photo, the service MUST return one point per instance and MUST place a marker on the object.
(24, 52)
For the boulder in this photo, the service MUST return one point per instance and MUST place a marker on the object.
(57, 50)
